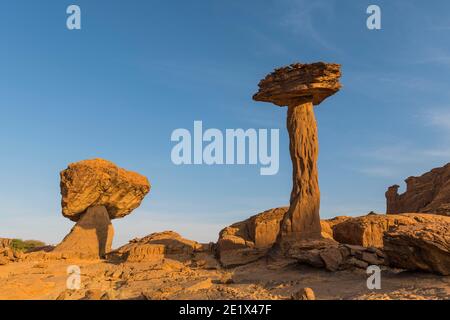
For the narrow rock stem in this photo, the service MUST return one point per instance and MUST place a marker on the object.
(302, 221)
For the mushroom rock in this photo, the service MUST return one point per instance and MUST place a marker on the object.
(94, 192)
(429, 193)
(99, 182)
(300, 87)
(91, 237)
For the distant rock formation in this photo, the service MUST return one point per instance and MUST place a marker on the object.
(94, 192)
(300, 87)
(5, 243)
(99, 182)
(429, 193)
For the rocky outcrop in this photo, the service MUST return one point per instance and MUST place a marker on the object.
(367, 231)
(423, 246)
(300, 86)
(249, 240)
(333, 256)
(90, 238)
(8, 255)
(167, 244)
(429, 193)
(329, 224)
(99, 182)
(5, 243)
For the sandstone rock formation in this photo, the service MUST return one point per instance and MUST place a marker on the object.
(333, 256)
(94, 192)
(249, 240)
(91, 237)
(162, 245)
(300, 87)
(99, 182)
(367, 231)
(423, 246)
(429, 193)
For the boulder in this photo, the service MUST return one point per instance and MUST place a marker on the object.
(304, 294)
(424, 246)
(333, 256)
(90, 238)
(367, 231)
(249, 240)
(429, 193)
(157, 246)
(328, 225)
(99, 182)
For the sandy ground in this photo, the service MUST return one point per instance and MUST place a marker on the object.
(171, 279)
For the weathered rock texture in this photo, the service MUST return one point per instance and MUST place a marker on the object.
(429, 193)
(249, 240)
(424, 246)
(300, 86)
(333, 256)
(100, 182)
(167, 244)
(90, 238)
(367, 231)
(5, 243)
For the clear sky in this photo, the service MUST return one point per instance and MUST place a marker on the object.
(140, 69)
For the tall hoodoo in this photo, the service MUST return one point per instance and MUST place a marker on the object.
(300, 87)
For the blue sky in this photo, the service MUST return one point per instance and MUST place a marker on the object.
(140, 69)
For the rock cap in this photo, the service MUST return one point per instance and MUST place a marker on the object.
(299, 82)
(99, 182)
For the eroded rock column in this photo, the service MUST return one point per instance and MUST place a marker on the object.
(302, 221)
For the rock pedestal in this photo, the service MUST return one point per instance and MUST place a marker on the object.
(94, 192)
(302, 221)
(300, 86)
(91, 237)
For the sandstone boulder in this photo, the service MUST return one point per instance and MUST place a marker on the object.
(304, 294)
(429, 193)
(90, 238)
(423, 246)
(157, 246)
(100, 182)
(332, 256)
(367, 231)
(249, 240)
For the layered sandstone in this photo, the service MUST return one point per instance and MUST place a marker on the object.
(165, 245)
(429, 193)
(90, 238)
(99, 182)
(299, 87)
(249, 240)
(422, 247)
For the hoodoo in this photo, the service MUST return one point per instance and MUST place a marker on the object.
(300, 87)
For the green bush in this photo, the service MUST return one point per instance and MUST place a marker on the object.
(25, 245)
